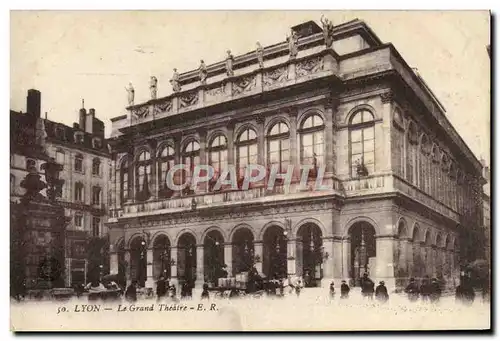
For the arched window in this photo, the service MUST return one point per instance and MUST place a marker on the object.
(218, 157)
(79, 162)
(411, 153)
(190, 158)
(96, 166)
(278, 147)
(247, 150)
(362, 143)
(96, 195)
(79, 192)
(424, 164)
(166, 161)
(312, 142)
(123, 180)
(143, 172)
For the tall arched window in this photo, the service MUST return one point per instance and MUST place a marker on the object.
(362, 143)
(246, 152)
(424, 164)
(278, 147)
(411, 153)
(312, 131)
(166, 161)
(190, 158)
(218, 157)
(435, 169)
(143, 173)
(123, 180)
(79, 162)
(96, 166)
(79, 192)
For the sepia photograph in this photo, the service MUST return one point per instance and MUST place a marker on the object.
(250, 170)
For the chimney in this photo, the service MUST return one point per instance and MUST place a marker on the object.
(33, 103)
(90, 121)
(81, 121)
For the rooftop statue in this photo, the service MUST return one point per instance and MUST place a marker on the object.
(153, 87)
(327, 31)
(202, 71)
(260, 55)
(229, 63)
(293, 41)
(176, 87)
(130, 93)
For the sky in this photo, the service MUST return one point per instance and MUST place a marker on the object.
(93, 55)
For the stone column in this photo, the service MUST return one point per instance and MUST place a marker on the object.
(127, 267)
(258, 252)
(328, 142)
(409, 257)
(403, 260)
(384, 268)
(230, 145)
(261, 138)
(113, 263)
(200, 269)
(433, 259)
(173, 269)
(291, 257)
(294, 155)
(131, 175)
(202, 186)
(346, 258)
(149, 269)
(228, 258)
(153, 179)
(423, 257)
(328, 262)
(337, 258)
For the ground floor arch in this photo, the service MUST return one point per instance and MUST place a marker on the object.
(138, 260)
(186, 258)
(213, 256)
(309, 253)
(363, 250)
(161, 257)
(242, 250)
(274, 262)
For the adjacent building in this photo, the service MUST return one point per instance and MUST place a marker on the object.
(84, 154)
(403, 195)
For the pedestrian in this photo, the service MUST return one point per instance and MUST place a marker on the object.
(332, 289)
(344, 290)
(281, 287)
(381, 292)
(464, 293)
(367, 286)
(298, 287)
(131, 292)
(161, 289)
(412, 290)
(205, 294)
(425, 289)
(435, 291)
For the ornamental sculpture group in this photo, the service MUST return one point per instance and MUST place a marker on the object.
(292, 40)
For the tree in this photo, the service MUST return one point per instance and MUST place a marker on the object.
(97, 258)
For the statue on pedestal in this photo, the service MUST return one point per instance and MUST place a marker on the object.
(293, 41)
(229, 64)
(153, 87)
(327, 31)
(130, 93)
(260, 55)
(202, 71)
(176, 87)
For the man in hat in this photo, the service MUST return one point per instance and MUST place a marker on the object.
(381, 292)
(412, 290)
(161, 289)
(367, 286)
(332, 290)
(344, 290)
(435, 291)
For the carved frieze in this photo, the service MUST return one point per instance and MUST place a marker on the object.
(217, 91)
(244, 84)
(188, 99)
(309, 66)
(278, 75)
(141, 112)
(162, 108)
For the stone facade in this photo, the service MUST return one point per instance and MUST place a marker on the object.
(355, 104)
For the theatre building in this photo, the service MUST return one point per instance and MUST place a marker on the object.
(403, 190)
